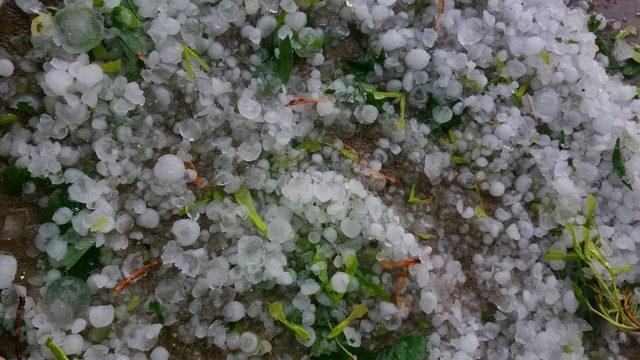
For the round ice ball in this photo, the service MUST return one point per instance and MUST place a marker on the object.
(149, 219)
(90, 74)
(78, 28)
(8, 269)
(340, 282)
(249, 108)
(169, 168)
(159, 353)
(546, 104)
(101, 316)
(59, 81)
(248, 342)
(66, 299)
(470, 31)
(186, 231)
(6, 67)
(417, 59)
(442, 114)
(233, 311)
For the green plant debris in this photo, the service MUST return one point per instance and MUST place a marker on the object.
(425, 236)
(276, 311)
(60, 198)
(111, 66)
(628, 31)
(480, 209)
(102, 225)
(212, 194)
(13, 179)
(460, 160)
(371, 287)
(160, 311)
(124, 16)
(188, 54)
(55, 350)
(379, 95)
(309, 146)
(8, 118)
(85, 266)
(26, 109)
(545, 56)
(619, 166)
(413, 199)
(412, 346)
(284, 62)
(133, 303)
(487, 318)
(243, 197)
(357, 312)
(593, 23)
(519, 93)
(594, 279)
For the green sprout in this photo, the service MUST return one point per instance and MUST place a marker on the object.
(480, 210)
(243, 197)
(379, 95)
(594, 282)
(55, 350)
(188, 54)
(357, 312)
(276, 311)
(413, 199)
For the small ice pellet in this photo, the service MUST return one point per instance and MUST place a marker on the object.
(57, 248)
(442, 114)
(8, 269)
(101, 316)
(59, 81)
(249, 108)
(62, 216)
(169, 168)
(340, 282)
(73, 344)
(159, 353)
(470, 31)
(248, 342)
(149, 219)
(233, 311)
(391, 40)
(90, 74)
(417, 59)
(496, 189)
(350, 228)
(186, 231)
(6, 67)
(134, 94)
(502, 277)
(469, 343)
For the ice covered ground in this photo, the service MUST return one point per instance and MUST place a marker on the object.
(328, 157)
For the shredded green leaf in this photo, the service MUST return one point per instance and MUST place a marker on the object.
(310, 146)
(545, 56)
(276, 311)
(619, 167)
(628, 31)
(379, 95)
(111, 66)
(479, 210)
(243, 197)
(28, 110)
(357, 312)
(133, 303)
(285, 60)
(159, 310)
(372, 288)
(413, 199)
(55, 350)
(188, 54)
(213, 194)
(8, 118)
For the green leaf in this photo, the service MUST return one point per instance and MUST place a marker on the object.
(98, 3)
(577, 292)
(276, 311)
(285, 60)
(188, 54)
(8, 118)
(351, 263)
(357, 312)
(74, 254)
(309, 146)
(553, 255)
(628, 31)
(372, 288)
(619, 167)
(111, 66)
(159, 310)
(379, 95)
(13, 179)
(123, 16)
(55, 350)
(133, 303)
(500, 66)
(213, 194)
(28, 110)
(60, 198)
(545, 56)
(87, 265)
(412, 346)
(518, 94)
(487, 318)
(416, 200)
(243, 197)
(594, 23)
(460, 160)
(102, 225)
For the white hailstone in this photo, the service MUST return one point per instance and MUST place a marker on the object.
(366, 114)
(325, 108)
(470, 31)
(442, 114)
(8, 269)
(101, 316)
(149, 219)
(59, 81)
(350, 228)
(513, 233)
(496, 189)
(62, 216)
(428, 302)
(309, 287)
(249, 108)
(330, 234)
(233, 311)
(417, 59)
(248, 342)
(90, 74)
(296, 20)
(6, 67)
(169, 168)
(159, 353)
(502, 277)
(533, 46)
(391, 40)
(546, 104)
(569, 302)
(280, 230)
(133, 93)
(353, 336)
(186, 231)
(249, 150)
(233, 341)
(78, 326)
(57, 248)
(469, 343)
(72, 344)
(340, 282)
